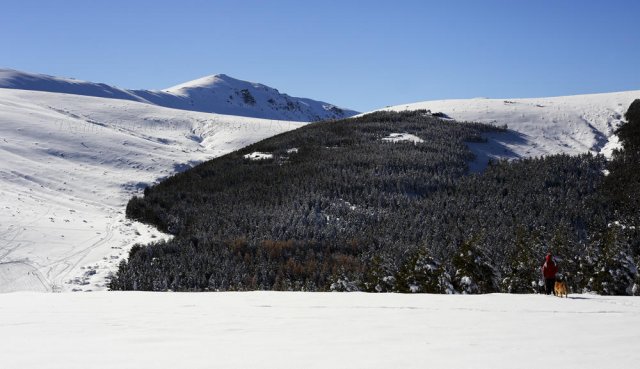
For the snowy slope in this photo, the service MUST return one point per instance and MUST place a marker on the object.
(317, 330)
(541, 126)
(226, 95)
(213, 94)
(14, 79)
(69, 165)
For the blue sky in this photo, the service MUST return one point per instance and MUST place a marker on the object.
(357, 54)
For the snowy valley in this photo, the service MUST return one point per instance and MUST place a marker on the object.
(320, 184)
(71, 162)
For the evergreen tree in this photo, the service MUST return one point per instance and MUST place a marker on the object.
(623, 182)
(629, 132)
(379, 277)
(615, 271)
(473, 272)
(421, 273)
(522, 273)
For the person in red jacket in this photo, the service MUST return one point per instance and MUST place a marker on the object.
(549, 270)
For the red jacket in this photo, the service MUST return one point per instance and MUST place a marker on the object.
(549, 268)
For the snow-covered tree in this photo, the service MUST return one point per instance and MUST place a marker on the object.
(421, 273)
(473, 272)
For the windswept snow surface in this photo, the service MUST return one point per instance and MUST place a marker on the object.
(317, 330)
(69, 165)
(212, 94)
(540, 126)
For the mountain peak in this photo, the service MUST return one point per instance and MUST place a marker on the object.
(218, 93)
(228, 95)
(210, 81)
(224, 77)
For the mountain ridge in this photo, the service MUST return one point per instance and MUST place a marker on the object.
(218, 93)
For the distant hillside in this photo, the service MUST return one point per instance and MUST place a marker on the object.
(551, 125)
(219, 94)
(383, 202)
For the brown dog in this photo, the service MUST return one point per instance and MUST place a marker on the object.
(560, 288)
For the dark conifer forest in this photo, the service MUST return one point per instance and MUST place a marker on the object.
(337, 208)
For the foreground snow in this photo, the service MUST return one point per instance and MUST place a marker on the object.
(69, 165)
(314, 330)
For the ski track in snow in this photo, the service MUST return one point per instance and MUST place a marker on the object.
(69, 165)
(317, 330)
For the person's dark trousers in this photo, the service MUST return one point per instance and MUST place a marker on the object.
(548, 285)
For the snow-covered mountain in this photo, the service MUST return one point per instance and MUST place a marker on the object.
(219, 94)
(69, 165)
(540, 126)
(70, 162)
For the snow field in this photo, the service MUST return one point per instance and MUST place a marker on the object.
(317, 330)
